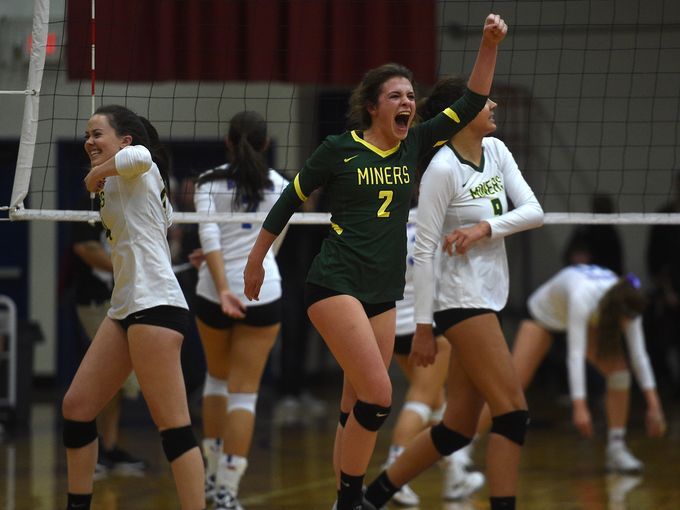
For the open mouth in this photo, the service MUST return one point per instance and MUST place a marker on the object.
(402, 119)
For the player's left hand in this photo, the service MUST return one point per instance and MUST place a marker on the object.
(460, 240)
(655, 423)
(93, 182)
(423, 346)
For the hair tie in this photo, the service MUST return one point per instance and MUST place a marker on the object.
(633, 280)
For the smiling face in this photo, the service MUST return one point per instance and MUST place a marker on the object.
(101, 140)
(393, 114)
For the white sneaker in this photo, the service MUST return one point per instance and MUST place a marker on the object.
(462, 456)
(406, 496)
(620, 460)
(210, 488)
(225, 500)
(458, 482)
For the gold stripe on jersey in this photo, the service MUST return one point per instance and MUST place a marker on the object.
(298, 189)
(337, 228)
(452, 115)
(373, 148)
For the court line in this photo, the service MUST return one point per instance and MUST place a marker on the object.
(262, 498)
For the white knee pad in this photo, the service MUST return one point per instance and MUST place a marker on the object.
(619, 380)
(245, 401)
(422, 410)
(214, 387)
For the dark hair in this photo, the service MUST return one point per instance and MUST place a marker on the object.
(126, 122)
(445, 92)
(368, 91)
(623, 300)
(249, 170)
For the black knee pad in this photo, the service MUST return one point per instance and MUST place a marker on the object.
(446, 440)
(178, 441)
(512, 425)
(77, 434)
(343, 418)
(370, 416)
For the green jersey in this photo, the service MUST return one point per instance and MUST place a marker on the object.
(369, 192)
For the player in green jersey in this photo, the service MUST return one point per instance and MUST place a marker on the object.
(368, 175)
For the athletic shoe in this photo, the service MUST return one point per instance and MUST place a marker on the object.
(458, 482)
(210, 488)
(406, 496)
(225, 500)
(122, 461)
(620, 460)
(104, 465)
(462, 456)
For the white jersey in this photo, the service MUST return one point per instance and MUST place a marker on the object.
(235, 240)
(136, 214)
(454, 193)
(405, 323)
(567, 302)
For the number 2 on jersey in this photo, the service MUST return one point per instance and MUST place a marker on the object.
(385, 195)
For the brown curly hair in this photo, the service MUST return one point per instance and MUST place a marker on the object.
(368, 91)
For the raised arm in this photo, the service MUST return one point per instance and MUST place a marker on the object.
(481, 77)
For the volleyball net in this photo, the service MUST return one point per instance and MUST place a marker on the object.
(587, 90)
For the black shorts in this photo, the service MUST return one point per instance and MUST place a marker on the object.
(211, 314)
(402, 344)
(314, 293)
(166, 316)
(446, 319)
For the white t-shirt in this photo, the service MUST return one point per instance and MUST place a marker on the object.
(566, 302)
(454, 193)
(235, 240)
(136, 214)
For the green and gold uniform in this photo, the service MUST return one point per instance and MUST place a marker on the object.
(369, 192)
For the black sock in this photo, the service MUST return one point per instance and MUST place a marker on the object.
(350, 493)
(78, 501)
(381, 490)
(504, 503)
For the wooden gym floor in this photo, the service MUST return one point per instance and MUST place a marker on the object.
(290, 466)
